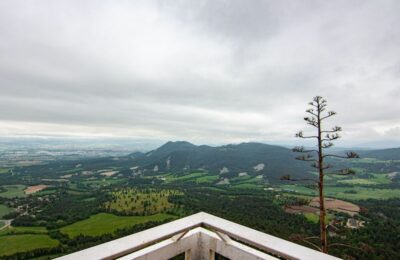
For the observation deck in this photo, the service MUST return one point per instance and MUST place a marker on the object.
(199, 236)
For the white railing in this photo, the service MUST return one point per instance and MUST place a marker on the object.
(198, 236)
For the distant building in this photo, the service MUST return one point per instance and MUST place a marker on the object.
(354, 223)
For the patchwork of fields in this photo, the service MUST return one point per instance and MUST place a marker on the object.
(204, 178)
(24, 239)
(357, 187)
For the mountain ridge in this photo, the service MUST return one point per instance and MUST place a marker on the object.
(252, 158)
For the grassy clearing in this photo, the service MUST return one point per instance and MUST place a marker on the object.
(188, 177)
(370, 160)
(298, 189)
(96, 183)
(45, 192)
(140, 201)
(22, 243)
(13, 191)
(314, 218)
(359, 193)
(246, 182)
(306, 197)
(349, 193)
(358, 181)
(213, 189)
(241, 178)
(377, 179)
(197, 177)
(75, 192)
(207, 179)
(4, 170)
(23, 230)
(245, 179)
(4, 210)
(247, 186)
(104, 223)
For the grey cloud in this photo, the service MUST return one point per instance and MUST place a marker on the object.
(226, 70)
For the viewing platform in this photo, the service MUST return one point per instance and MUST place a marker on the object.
(199, 236)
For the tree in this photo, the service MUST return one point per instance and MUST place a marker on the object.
(324, 139)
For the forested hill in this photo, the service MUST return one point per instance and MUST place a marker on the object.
(228, 160)
(383, 154)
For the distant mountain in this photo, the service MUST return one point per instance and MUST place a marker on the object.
(136, 154)
(379, 145)
(384, 154)
(228, 160)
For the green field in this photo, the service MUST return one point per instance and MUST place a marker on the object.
(207, 179)
(13, 191)
(22, 243)
(370, 160)
(314, 218)
(23, 230)
(359, 193)
(299, 189)
(246, 182)
(44, 192)
(4, 210)
(137, 201)
(378, 178)
(247, 186)
(4, 170)
(187, 177)
(212, 189)
(104, 223)
(102, 182)
(350, 193)
(357, 181)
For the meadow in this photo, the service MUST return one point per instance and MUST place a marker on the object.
(193, 177)
(4, 210)
(104, 223)
(375, 179)
(361, 193)
(26, 242)
(314, 218)
(13, 191)
(11, 230)
(246, 182)
(246, 186)
(346, 192)
(4, 170)
(206, 179)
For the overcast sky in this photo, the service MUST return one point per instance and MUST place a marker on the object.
(202, 71)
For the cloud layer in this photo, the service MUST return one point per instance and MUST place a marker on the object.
(204, 71)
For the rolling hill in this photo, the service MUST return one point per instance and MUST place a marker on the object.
(229, 160)
(383, 154)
